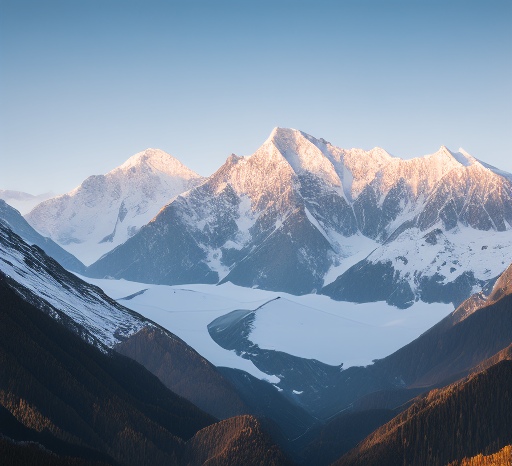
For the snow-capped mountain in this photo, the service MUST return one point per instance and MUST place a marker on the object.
(435, 265)
(250, 223)
(13, 219)
(300, 212)
(23, 202)
(44, 283)
(106, 210)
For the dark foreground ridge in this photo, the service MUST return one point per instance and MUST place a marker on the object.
(92, 406)
(462, 420)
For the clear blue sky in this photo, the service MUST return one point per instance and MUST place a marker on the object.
(86, 84)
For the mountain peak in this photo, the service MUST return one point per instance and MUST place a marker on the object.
(160, 161)
(462, 157)
(113, 206)
(279, 134)
(304, 153)
(23, 202)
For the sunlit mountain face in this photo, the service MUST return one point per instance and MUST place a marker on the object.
(106, 210)
(305, 304)
(302, 216)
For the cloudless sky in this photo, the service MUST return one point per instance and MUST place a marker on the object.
(85, 84)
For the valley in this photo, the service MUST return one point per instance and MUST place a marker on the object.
(308, 303)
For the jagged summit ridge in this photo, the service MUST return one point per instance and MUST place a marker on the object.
(299, 212)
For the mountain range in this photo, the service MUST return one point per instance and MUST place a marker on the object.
(302, 216)
(89, 377)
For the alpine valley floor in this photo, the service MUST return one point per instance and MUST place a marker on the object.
(308, 326)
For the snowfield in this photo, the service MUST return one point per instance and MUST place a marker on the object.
(309, 326)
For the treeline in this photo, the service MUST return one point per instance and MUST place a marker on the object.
(31, 454)
(500, 458)
(21, 446)
(233, 442)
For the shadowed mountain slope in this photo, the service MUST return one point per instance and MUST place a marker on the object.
(461, 420)
(51, 380)
(183, 371)
(13, 219)
(70, 397)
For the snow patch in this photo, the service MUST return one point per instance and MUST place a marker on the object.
(350, 250)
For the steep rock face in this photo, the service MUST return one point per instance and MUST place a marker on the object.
(106, 210)
(398, 191)
(163, 252)
(288, 259)
(473, 196)
(299, 209)
(386, 285)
